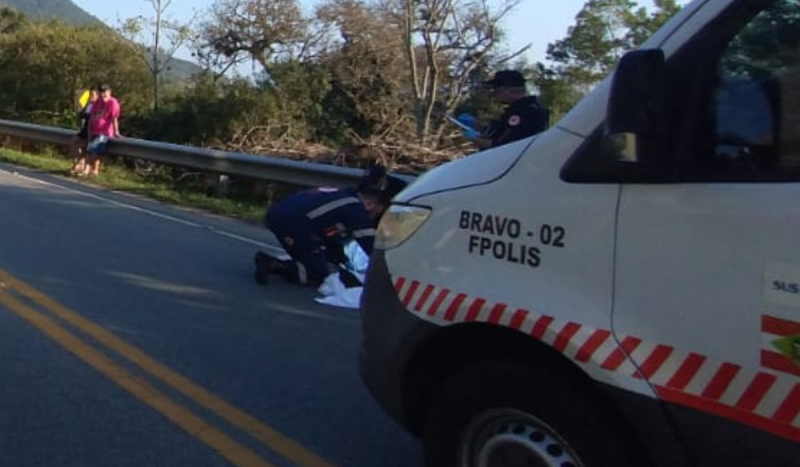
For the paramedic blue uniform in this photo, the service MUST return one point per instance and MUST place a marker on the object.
(525, 117)
(313, 225)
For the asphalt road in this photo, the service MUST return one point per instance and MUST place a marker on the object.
(133, 334)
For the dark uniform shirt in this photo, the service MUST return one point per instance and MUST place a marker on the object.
(84, 117)
(313, 225)
(522, 118)
(324, 215)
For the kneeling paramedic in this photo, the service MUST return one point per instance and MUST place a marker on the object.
(314, 225)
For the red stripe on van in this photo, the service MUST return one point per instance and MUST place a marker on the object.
(629, 344)
(591, 345)
(518, 320)
(654, 362)
(721, 380)
(761, 387)
(778, 326)
(566, 334)
(790, 408)
(426, 294)
(618, 356)
(754, 420)
(755, 393)
(437, 302)
(614, 360)
(779, 362)
(452, 310)
(475, 309)
(410, 294)
(686, 372)
(541, 326)
(497, 313)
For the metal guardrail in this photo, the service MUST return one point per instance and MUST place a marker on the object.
(231, 163)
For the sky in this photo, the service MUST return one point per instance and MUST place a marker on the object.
(535, 22)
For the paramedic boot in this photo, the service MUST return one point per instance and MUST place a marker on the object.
(262, 271)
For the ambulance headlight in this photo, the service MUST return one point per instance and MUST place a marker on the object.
(398, 224)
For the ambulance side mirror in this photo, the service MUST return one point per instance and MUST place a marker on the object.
(634, 112)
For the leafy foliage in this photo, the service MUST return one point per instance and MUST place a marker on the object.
(44, 65)
(367, 78)
(603, 31)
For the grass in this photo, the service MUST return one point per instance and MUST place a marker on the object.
(119, 178)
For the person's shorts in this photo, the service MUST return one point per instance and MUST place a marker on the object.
(98, 146)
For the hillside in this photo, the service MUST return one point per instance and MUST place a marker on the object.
(68, 12)
(63, 10)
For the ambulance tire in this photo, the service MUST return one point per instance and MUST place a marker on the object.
(514, 415)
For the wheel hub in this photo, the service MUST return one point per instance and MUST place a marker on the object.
(508, 438)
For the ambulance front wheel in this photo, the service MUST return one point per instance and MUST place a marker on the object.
(499, 414)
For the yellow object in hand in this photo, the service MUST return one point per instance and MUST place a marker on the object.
(84, 99)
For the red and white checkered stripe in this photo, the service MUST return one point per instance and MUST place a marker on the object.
(772, 329)
(764, 400)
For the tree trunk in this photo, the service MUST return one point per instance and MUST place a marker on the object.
(156, 66)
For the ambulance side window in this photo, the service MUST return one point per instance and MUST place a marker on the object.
(753, 110)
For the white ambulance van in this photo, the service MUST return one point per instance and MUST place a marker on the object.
(622, 289)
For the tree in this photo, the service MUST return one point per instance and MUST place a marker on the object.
(758, 54)
(44, 65)
(11, 20)
(445, 43)
(165, 36)
(264, 31)
(275, 36)
(603, 31)
(363, 56)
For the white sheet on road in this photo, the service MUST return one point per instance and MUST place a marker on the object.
(333, 292)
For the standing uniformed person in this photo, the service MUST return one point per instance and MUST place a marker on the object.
(524, 115)
(314, 225)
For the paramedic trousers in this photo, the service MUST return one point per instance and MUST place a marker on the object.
(309, 265)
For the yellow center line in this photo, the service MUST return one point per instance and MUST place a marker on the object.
(236, 453)
(276, 441)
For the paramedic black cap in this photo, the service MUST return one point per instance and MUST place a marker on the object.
(506, 79)
(377, 182)
(393, 186)
(374, 178)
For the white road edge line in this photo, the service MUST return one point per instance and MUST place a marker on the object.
(151, 213)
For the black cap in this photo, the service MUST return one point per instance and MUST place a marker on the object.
(103, 87)
(394, 186)
(506, 79)
(377, 182)
(374, 179)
